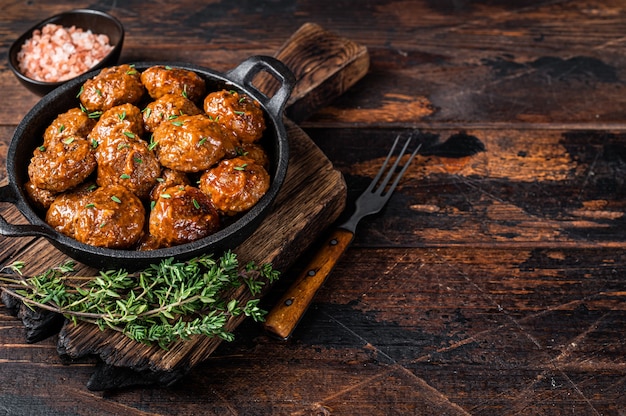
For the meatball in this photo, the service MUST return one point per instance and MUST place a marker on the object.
(110, 216)
(124, 119)
(128, 162)
(190, 143)
(236, 112)
(161, 80)
(182, 214)
(41, 198)
(72, 123)
(167, 107)
(235, 185)
(61, 165)
(63, 211)
(256, 152)
(168, 178)
(112, 86)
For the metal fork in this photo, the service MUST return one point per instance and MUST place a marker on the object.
(284, 317)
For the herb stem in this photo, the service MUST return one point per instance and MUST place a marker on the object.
(165, 303)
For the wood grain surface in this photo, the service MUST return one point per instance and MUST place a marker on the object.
(492, 283)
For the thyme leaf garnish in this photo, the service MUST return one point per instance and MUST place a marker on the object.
(165, 303)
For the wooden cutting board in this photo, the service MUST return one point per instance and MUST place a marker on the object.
(313, 196)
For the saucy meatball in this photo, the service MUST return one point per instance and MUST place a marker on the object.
(168, 178)
(190, 143)
(61, 165)
(41, 198)
(128, 162)
(161, 80)
(112, 86)
(238, 113)
(110, 216)
(235, 185)
(182, 214)
(124, 119)
(72, 123)
(167, 107)
(62, 210)
(256, 152)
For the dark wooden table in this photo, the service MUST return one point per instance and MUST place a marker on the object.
(493, 282)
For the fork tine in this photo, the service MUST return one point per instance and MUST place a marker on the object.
(404, 168)
(384, 166)
(393, 168)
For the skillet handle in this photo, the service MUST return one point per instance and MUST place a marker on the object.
(245, 72)
(19, 230)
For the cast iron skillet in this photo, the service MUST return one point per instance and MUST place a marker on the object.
(29, 133)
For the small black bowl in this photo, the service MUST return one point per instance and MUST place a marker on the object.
(96, 21)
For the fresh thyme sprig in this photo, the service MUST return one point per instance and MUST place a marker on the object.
(164, 303)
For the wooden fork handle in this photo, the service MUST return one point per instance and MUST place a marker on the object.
(283, 318)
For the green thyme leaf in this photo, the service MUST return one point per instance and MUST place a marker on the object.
(167, 302)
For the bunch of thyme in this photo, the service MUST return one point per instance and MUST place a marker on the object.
(164, 303)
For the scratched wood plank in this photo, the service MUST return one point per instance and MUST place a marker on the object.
(457, 63)
(518, 315)
(489, 339)
(521, 188)
(474, 332)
